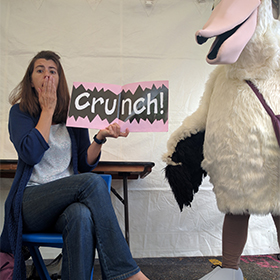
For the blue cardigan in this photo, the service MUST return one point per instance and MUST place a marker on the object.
(31, 146)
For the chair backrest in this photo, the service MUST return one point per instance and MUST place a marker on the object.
(108, 180)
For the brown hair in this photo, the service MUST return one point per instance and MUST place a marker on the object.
(26, 96)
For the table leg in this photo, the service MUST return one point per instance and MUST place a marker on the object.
(126, 216)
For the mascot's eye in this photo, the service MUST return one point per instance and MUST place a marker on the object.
(276, 9)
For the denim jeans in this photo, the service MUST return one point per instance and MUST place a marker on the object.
(80, 207)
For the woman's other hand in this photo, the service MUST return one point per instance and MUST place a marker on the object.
(113, 130)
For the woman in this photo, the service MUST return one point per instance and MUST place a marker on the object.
(53, 189)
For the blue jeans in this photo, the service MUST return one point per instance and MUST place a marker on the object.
(80, 208)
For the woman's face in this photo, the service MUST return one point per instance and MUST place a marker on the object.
(44, 69)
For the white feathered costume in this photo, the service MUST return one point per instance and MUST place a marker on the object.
(241, 153)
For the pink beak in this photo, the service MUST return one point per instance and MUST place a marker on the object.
(233, 23)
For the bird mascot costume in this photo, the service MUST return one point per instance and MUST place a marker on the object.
(230, 136)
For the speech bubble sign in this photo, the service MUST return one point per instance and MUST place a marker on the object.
(140, 107)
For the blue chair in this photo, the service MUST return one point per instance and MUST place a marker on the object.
(35, 240)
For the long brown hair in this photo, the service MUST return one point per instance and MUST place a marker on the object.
(26, 96)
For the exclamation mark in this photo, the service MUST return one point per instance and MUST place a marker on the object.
(161, 102)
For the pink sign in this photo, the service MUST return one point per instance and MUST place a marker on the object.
(140, 107)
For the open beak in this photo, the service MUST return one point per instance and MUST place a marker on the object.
(233, 23)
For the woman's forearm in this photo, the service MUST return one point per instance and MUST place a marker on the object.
(44, 124)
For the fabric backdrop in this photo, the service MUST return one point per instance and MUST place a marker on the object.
(120, 42)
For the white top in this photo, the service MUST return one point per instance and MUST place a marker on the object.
(56, 162)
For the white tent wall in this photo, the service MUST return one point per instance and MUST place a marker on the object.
(120, 42)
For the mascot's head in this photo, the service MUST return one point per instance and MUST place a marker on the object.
(247, 38)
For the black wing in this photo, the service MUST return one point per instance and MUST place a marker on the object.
(185, 179)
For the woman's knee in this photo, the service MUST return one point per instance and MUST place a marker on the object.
(94, 179)
(96, 182)
(76, 215)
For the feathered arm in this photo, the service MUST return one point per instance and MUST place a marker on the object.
(185, 151)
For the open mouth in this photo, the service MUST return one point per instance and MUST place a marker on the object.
(220, 39)
(232, 23)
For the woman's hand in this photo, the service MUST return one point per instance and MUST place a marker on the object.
(47, 95)
(113, 130)
(47, 98)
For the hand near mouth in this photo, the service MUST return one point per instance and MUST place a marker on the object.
(47, 98)
(47, 95)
